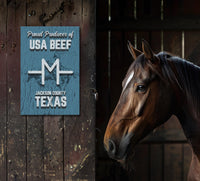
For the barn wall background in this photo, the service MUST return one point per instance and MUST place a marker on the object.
(46, 147)
(62, 147)
(168, 25)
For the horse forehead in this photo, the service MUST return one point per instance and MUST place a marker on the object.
(144, 73)
(129, 78)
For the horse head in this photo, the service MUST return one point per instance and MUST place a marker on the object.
(146, 101)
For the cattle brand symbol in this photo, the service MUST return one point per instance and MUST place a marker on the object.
(50, 69)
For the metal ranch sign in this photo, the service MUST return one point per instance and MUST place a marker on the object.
(50, 70)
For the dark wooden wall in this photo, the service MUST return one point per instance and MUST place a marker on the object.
(46, 147)
(167, 25)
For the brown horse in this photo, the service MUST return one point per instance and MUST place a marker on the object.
(155, 87)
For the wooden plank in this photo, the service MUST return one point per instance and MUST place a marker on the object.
(187, 153)
(116, 10)
(79, 132)
(16, 145)
(3, 158)
(35, 124)
(53, 125)
(72, 14)
(173, 42)
(129, 10)
(102, 10)
(16, 148)
(126, 9)
(53, 147)
(103, 109)
(173, 162)
(121, 10)
(118, 68)
(70, 144)
(181, 8)
(79, 146)
(192, 45)
(35, 146)
(107, 170)
(175, 24)
(3, 93)
(148, 9)
(155, 41)
(172, 8)
(16, 9)
(34, 10)
(141, 163)
(71, 149)
(103, 104)
(156, 162)
(88, 81)
(191, 9)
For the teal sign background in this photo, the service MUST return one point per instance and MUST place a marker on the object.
(50, 71)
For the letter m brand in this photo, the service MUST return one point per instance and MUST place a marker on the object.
(56, 65)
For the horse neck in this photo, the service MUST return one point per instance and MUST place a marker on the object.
(188, 107)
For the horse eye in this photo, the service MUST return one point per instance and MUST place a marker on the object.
(141, 88)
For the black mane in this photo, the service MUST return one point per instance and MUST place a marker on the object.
(186, 75)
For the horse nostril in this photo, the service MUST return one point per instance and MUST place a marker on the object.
(112, 147)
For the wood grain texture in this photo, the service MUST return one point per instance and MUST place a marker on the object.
(53, 148)
(79, 132)
(148, 9)
(71, 17)
(35, 124)
(3, 92)
(102, 10)
(117, 68)
(53, 125)
(103, 109)
(192, 45)
(181, 8)
(156, 162)
(187, 155)
(173, 162)
(32, 148)
(141, 161)
(35, 148)
(16, 124)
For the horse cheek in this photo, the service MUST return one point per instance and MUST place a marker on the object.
(141, 104)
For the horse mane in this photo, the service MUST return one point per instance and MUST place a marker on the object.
(186, 75)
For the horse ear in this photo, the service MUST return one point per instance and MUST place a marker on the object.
(148, 53)
(134, 52)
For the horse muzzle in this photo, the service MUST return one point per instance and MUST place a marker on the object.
(118, 149)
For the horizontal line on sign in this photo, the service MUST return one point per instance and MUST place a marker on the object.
(65, 72)
(34, 72)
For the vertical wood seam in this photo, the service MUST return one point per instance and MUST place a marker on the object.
(6, 93)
